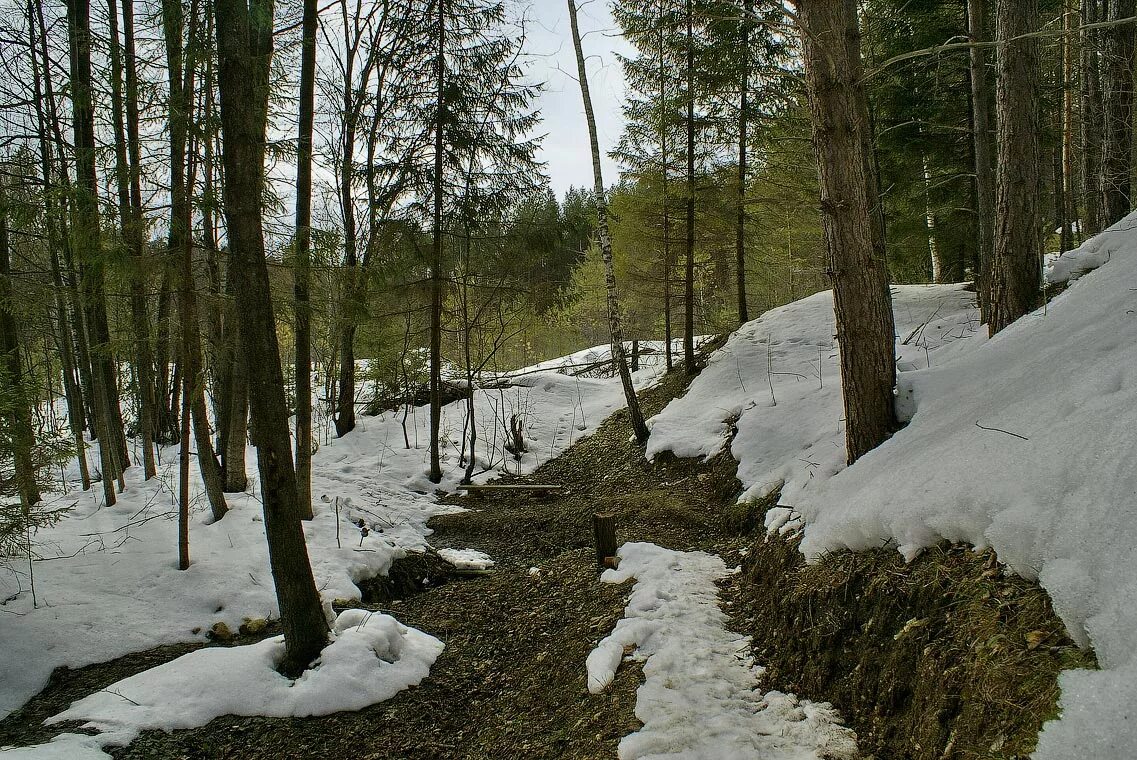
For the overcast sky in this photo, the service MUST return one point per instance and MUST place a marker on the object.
(552, 60)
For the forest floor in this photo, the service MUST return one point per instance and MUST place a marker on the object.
(511, 681)
(943, 658)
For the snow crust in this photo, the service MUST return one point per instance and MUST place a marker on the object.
(1024, 443)
(700, 698)
(371, 658)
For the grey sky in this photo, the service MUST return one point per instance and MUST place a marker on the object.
(549, 43)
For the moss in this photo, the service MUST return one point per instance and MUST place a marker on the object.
(946, 657)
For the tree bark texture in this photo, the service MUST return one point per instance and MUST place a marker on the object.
(303, 307)
(1018, 186)
(245, 46)
(855, 255)
(1117, 94)
(983, 133)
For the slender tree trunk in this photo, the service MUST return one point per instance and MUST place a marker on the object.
(983, 130)
(180, 66)
(854, 245)
(1018, 217)
(639, 428)
(689, 365)
(436, 262)
(664, 167)
(19, 424)
(244, 37)
(1091, 119)
(128, 181)
(76, 416)
(1117, 94)
(303, 245)
(88, 246)
(743, 136)
(1070, 201)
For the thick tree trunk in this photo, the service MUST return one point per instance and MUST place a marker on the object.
(983, 130)
(436, 262)
(1091, 119)
(244, 36)
(303, 348)
(639, 428)
(855, 254)
(1117, 94)
(1018, 218)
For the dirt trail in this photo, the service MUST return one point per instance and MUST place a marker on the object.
(511, 681)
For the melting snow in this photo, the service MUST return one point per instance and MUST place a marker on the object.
(700, 698)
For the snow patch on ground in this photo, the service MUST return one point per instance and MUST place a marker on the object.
(700, 698)
(371, 658)
(467, 559)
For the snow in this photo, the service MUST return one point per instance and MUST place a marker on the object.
(467, 559)
(1050, 485)
(778, 379)
(106, 577)
(371, 658)
(1023, 443)
(700, 698)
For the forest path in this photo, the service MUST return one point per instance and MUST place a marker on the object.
(511, 682)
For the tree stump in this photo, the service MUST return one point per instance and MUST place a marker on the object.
(604, 526)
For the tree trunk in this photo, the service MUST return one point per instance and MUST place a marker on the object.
(1018, 217)
(236, 478)
(303, 245)
(639, 428)
(57, 236)
(20, 431)
(180, 67)
(88, 248)
(128, 181)
(744, 106)
(689, 262)
(1117, 94)
(244, 37)
(855, 255)
(1091, 119)
(436, 262)
(982, 130)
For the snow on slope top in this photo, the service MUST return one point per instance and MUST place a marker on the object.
(1058, 503)
(779, 379)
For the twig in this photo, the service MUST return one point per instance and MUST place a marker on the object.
(1000, 430)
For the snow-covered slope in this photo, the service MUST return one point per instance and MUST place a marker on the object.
(778, 378)
(1055, 494)
(1025, 443)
